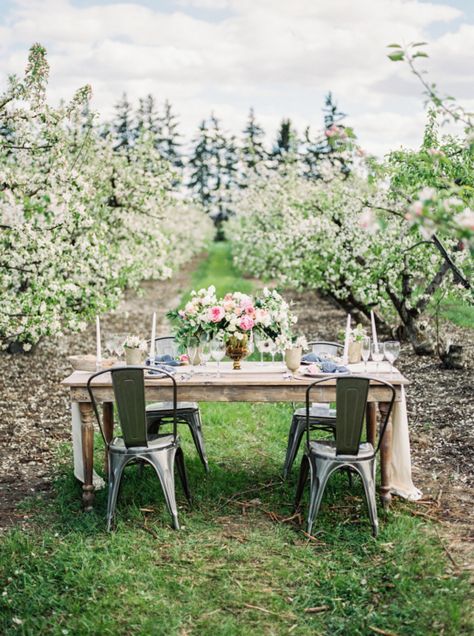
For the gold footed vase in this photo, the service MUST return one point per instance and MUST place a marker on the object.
(236, 350)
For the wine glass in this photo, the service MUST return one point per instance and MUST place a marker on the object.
(365, 351)
(205, 351)
(391, 351)
(377, 354)
(261, 343)
(272, 348)
(218, 353)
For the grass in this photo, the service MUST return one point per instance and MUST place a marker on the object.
(459, 312)
(234, 568)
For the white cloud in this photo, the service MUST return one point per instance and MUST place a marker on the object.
(280, 56)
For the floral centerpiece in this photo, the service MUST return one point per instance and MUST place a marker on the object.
(234, 318)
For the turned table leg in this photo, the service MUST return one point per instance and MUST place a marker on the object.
(87, 430)
(386, 456)
(371, 423)
(108, 424)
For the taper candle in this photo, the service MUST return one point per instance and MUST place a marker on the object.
(374, 330)
(98, 355)
(153, 336)
(346, 340)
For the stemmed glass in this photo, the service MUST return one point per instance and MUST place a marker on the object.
(391, 351)
(218, 353)
(272, 348)
(262, 345)
(365, 351)
(377, 354)
(205, 351)
(114, 344)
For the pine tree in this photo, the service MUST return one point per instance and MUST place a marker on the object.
(286, 145)
(200, 166)
(147, 120)
(330, 146)
(253, 151)
(169, 137)
(122, 125)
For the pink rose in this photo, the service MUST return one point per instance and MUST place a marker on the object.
(246, 302)
(250, 311)
(216, 313)
(246, 323)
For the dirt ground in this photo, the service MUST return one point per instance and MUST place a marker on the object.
(34, 411)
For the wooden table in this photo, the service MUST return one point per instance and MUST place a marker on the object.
(254, 383)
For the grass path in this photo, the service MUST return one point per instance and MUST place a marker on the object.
(236, 568)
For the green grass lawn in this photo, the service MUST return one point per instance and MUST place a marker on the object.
(236, 567)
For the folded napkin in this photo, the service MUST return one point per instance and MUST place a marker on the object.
(166, 360)
(326, 366)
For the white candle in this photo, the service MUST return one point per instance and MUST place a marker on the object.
(345, 356)
(153, 336)
(374, 330)
(98, 354)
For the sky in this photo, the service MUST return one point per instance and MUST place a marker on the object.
(279, 56)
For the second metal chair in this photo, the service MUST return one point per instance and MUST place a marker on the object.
(160, 413)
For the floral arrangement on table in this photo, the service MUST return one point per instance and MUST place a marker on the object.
(234, 318)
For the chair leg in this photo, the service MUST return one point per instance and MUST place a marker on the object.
(163, 463)
(320, 472)
(180, 464)
(195, 426)
(303, 476)
(116, 465)
(367, 472)
(295, 434)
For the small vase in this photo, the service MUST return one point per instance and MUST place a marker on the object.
(355, 352)
(236, 350)
(133, 356)
(293, 358)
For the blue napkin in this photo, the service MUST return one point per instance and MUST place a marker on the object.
(326, 366)
(166, 360)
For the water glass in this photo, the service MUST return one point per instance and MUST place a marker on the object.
(218, 353)
(377, 354)
(365, 351)
(391, 352)
(261, 344)
(205, 352)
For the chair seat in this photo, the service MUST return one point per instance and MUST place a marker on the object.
(167, 407)
(317, 412)
(327, 449)
(155, 442)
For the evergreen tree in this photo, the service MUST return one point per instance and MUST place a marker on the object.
(286, 144)
(253, 151)
(169, 138)
(200, 166)
(214, 170)
(122, 125)
(330, 146)
(148, 120)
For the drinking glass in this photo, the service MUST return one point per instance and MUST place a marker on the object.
(377, 354)
(218, 353)
(192, 349)
(365, 351)
(261, 343)
(272, 348)
(391, 351)
(205, 351)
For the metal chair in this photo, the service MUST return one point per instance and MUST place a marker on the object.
(320, 416)
(160, 413)
(136, 444)
(324, 457)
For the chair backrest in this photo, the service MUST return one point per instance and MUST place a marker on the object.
(351, 402)
(166, 345)
(323, 346)
(129, 391)
(128, 383)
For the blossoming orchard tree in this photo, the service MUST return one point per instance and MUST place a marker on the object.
(393, 236)
(78, 221)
